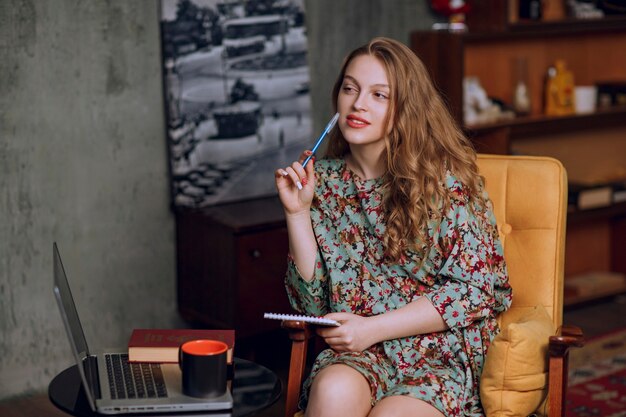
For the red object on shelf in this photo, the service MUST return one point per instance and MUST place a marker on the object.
(447, 7)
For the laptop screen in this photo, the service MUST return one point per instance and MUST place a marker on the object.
(72, 323)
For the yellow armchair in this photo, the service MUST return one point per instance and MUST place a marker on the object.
(529, 196)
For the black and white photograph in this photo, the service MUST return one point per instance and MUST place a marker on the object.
(237, 98)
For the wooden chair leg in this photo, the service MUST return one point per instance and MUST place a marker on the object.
(568, 336)
(299, 333)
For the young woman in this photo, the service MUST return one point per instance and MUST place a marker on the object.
(392, 235)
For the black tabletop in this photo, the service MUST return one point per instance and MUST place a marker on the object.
(254, 389)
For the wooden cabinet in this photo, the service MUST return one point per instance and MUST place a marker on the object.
(588, 144)
(231, 265)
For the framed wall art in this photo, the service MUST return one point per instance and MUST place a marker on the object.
(236, 85)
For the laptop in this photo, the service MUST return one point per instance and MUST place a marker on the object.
(112, 385)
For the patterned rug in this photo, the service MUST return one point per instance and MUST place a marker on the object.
(597, 377)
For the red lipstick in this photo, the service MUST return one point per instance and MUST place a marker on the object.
(356, 122)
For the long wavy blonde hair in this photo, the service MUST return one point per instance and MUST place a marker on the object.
(423, 145)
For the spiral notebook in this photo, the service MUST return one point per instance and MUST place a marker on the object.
(320, 321)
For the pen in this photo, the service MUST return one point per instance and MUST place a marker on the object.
(329, 126)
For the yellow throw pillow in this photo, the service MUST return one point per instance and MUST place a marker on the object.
(515, 375)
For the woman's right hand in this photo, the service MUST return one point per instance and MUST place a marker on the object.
(296, 185)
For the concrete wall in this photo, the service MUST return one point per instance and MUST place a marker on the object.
(83, 162)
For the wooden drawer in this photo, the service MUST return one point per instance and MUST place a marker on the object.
(262, 262)
(231, 263)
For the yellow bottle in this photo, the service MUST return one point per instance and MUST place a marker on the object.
(559, 93)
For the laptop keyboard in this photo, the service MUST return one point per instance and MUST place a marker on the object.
(134, 380)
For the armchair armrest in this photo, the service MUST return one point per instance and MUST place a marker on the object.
(566, 336)
(299, 333)
(558, 349)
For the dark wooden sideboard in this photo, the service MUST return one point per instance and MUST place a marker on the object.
(231, 263)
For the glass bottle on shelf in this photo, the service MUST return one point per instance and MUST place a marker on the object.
(521, 99)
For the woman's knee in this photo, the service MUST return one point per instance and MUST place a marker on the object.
(340, 387)
(339, 381)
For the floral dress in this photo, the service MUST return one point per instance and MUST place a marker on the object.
(463, 275)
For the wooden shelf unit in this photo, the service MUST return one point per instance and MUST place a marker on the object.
(500, 16)
(568, 26)
(571, 298)
(592, 49)
(522, 127)
(584, 216)
(498, 137)
(593, 57)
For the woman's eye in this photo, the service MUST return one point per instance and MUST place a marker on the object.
(348, 89)
(382, 96)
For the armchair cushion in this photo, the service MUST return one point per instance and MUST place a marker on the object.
(514, 381)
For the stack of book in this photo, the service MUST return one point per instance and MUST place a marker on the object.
(586, 196)
(161, 345)
(595, 284)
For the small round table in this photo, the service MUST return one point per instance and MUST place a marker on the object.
(254, 389)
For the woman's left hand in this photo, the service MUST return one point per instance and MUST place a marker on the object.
(351, 336)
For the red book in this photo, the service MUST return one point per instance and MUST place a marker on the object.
(161, 345)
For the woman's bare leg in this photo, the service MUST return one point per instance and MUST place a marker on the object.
(403, 406)
(339, 391)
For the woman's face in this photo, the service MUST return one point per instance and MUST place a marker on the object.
(363, 102)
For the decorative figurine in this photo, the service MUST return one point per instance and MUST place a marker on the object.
(521, 98)
(478, 108)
